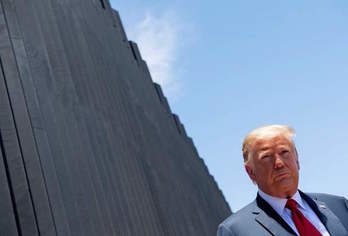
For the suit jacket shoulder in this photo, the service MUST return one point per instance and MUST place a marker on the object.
(234, 224)
(337, 204)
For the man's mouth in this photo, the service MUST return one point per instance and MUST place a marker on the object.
(281, 176)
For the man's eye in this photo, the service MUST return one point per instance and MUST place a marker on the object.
(284, 152)
(265, 157)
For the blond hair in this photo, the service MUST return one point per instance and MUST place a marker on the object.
(265, 132)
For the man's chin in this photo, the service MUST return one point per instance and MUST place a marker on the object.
(286, 188)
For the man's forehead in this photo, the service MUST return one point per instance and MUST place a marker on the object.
(265, 142)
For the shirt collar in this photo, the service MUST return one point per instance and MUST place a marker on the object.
(278, 204)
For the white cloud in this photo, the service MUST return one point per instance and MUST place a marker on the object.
(158, 41)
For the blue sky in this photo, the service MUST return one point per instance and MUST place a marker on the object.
(230, 66)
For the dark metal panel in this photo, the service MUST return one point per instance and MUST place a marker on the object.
(65, 103)
(8, 212)
(49, 171)
(53, 188)
(135, 51)
(26, 141)
(83, 87)
(125, 159)
(119, 23)
(13, 159)
(37, 56)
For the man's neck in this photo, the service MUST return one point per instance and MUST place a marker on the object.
(277, 203)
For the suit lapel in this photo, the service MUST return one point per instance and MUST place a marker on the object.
(327, 217)
(273, 226)
(270, 219)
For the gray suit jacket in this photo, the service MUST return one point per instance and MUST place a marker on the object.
(259, 218)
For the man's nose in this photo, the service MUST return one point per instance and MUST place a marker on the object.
(278, 162)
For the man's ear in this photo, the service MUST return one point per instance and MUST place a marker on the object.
(298, 164)
(297, 161)
(250, 172)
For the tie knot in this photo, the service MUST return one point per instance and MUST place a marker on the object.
(291, 204)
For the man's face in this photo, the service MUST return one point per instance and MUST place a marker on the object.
(274, 166)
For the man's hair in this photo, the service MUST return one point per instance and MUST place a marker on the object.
(264, 132)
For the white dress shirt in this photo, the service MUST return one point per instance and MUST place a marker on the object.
(278, 204)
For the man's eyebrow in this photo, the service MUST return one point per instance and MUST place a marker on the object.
(284, 145)
(265, 148)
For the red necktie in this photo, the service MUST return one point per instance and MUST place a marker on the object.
(304, 227)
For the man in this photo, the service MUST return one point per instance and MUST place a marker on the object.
(271, 161)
